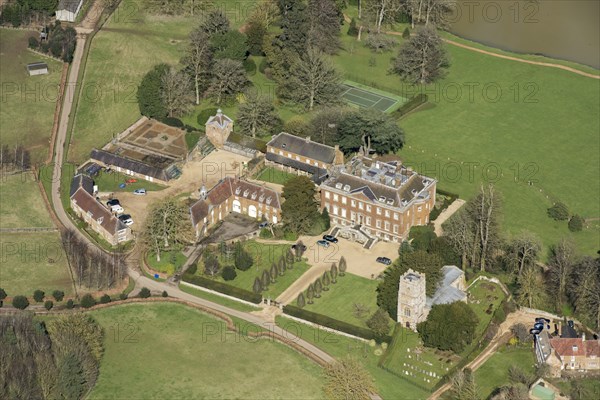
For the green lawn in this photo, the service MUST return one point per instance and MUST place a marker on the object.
(338, 302)
(388, 385)
(483, 295)
(494, 372)
(31, 261)
(109, 182)
(158, 351)
(21, 203)
(274, 175)
(167, 258)
(28, 102)
(215, 298)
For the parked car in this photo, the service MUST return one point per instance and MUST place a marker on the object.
(117, 209)
(113, 202)
(539, 326)
(571, 324)
(131, 181)
(140, 192)
(542, 320)
(126, 219)
(384, 260)
(323, 243)
(330, 238)
(303, 247)
(534, 331)
(263, 224)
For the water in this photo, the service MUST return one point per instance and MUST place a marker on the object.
(563, 29)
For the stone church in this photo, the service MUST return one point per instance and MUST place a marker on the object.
(414, 305)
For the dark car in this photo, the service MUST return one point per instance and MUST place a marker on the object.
(263, 224)
(113, 202)
(542, 320)
(330, 238)
(302, 247)
(124, 217)
(323, 243)
(539, 326)
(571, 324)
(384, 260)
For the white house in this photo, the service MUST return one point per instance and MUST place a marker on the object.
(37, 68)
(68, 9)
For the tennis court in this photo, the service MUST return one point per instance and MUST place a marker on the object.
(366, 97)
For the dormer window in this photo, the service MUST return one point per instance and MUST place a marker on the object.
(246, 192)
(238, 190)
(261, 198)
(254, 195)
(269, 200)
(575, 348)
(100, 220)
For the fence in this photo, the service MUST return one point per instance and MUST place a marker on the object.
(17, 230)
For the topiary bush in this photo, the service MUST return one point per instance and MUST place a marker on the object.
(406, 33)
(105, 299)
(88, 301)
(249, 66)
(172, 121)
(352, 29)
(48, 305)
(165, 294)
(559, 212)
(38, 295)
(20, 302)
(229, 273)
(205, 114)
(144, 293)
(264, 64)
(70, 304)
(576, 223)
(58, 295)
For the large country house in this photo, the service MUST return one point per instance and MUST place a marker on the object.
(234, 195)
(370, 200)
(302, 156)
(98, 217)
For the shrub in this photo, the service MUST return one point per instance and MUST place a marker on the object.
(380, 43)
(2, 294)
(558, 212)
(88, 301)
(205, 114)
(58, 295)
(249, 66)
(70, 304)
(300, 301)
(264, 64)
(296, 126)
(224, 288)
(48, 305)
(172, 121)
(38, 296)
(406, 33)
(352, 29)
(458, 323)
(265, 233)
(144, 293)
(105, 299)
(228, 273)
(242, 259)
(123, 296)
(333, 323)
(414, 102)
(192, 269)
(576, 223)
(379, 322)
(164, 294)
(33, 43)
(20, 302)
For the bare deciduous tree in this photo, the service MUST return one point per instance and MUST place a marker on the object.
(381, 11)
(522, 251)
(198, 59)
(229, 78)
(176, 92)
(562, 258)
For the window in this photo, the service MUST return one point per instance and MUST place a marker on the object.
(272, 150)
(308, 161)
(353, 216)
(419, 208)
(289, 155)
(327, 195)
(368, 208)
(378, 224)
(280, 152)
(387, 213)
(396, 216)
(343, 213)
(353, 202)
(327, 206)
(335, 210)
(395, 228)
(344, 200)
(427, 206)
(369, 221)
(361, 205)
(387, 226)
(297, 158)
(335, 197)
(407, 312)
(378, 211)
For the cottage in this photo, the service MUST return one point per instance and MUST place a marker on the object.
(37, 68)
(67, 10)
(234, 195)
(132, 167)
(576, 354)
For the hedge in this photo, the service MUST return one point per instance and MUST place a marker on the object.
(415, 101)
(223, 288)
(334, 323)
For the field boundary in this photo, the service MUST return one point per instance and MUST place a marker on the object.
(27, 230)
(197, 287)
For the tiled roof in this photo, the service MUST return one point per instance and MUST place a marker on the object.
(199, 210)
(90, 205)
(127, 163)
(303, 147)
(83, 181)
(318, 174)
(567, 347)
(255, 189)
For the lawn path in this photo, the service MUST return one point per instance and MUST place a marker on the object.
(444, 215)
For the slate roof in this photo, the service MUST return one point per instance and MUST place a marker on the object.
(69, 5)
(568, 347)
(446, 293)
(37, 66)
(127, 163)
(318, 174)
(303, 147)
(96, 210)
(82, 181)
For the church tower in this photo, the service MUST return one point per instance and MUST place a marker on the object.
(411, 299)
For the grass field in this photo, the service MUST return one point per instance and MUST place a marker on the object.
(30, 261)
(167, 258)
(274, 175)
(388, 385)
(21, 203)
(338, 302)
(158, 351)
(215, 298)
(28, 102)
(494, 372)
(109, 182)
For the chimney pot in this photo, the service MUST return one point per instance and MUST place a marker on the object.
(307, 139)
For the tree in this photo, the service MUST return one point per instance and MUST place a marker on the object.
(290, 258)
(211, 264)
(144, 293)
(352, 29)
(422, 58)
(265, 13)
(215, 22)
(312, 80)
(70, 304)
(197, 60)
(149, 93)
(255, 36)
(366, 129)
(347, 379)
(281, 266)
(228, 273)
(333, 272)
(167, 227)
(379, 322)
(586, 289)
(310, 293)
(256, 114)
(325, 123)
(299, 250)
(2, 294)
(105, 299)
(265, 279)
(559, 211)
(257, 286)
(449, 326)
(326, 280)
(164, 293)
(324, 18)
(70, 383)
(579, 391)
(406, 33)
(231, 45)
(523, 251)
(463, 386)
(521, 332)
(485, 212)
(38, 295)
(517, 375)
(176, 92)
(294, 24)
(20, 302)
(342, 266)
(530, 287)
(242, 259)
(58, 295)
(382, 11)
(430, 12)
(87, 301)
(460, 231)
(576, 223)
(273, 272)
(560, 263)
(300, 301)
(229, 78)
(318, 287)
(300, 209)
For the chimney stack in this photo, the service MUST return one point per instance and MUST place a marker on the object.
(307, 139)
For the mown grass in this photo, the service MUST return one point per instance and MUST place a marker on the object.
(109, 182)
(28, 102)
(172, 351)
(215, 298)
(21, 203)
(274, 175)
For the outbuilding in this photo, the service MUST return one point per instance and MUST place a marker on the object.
(68, 9)
(37, 68)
